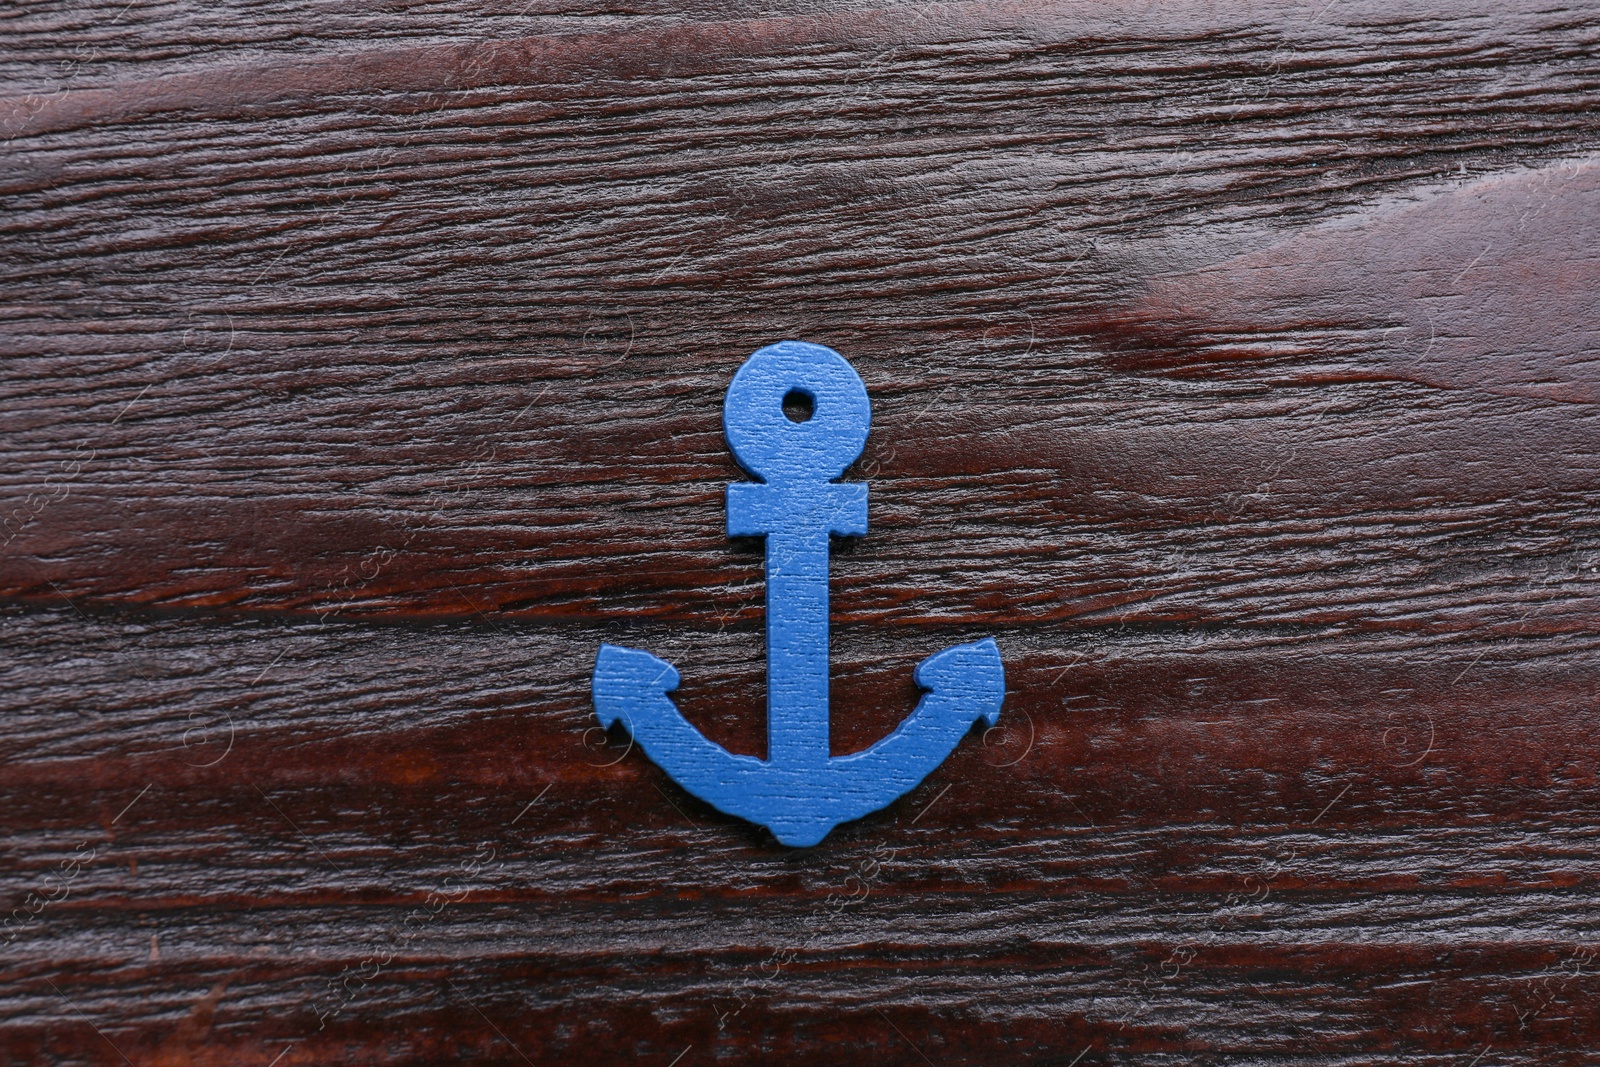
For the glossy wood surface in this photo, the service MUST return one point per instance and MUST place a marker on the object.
(1233, 365)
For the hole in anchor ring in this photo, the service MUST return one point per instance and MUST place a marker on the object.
(799, 405)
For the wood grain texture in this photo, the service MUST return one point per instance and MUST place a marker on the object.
(1233, 365)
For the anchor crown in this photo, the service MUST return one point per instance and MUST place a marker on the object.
(799, 791)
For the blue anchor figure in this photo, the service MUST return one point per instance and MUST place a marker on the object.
(799, 792)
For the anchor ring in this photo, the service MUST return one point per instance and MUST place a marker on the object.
(774, 447)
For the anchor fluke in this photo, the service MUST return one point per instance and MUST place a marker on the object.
(625, 675)
(800, 792)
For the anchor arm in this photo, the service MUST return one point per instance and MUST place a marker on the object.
(631, 686)
(965, 683)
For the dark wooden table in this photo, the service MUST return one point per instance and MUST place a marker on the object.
(1235, 366)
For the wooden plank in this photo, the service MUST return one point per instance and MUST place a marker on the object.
(1233, 366)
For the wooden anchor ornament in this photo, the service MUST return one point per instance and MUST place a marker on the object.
(799, 792)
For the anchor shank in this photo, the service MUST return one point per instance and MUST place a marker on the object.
(796, 517)
(797, 647)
